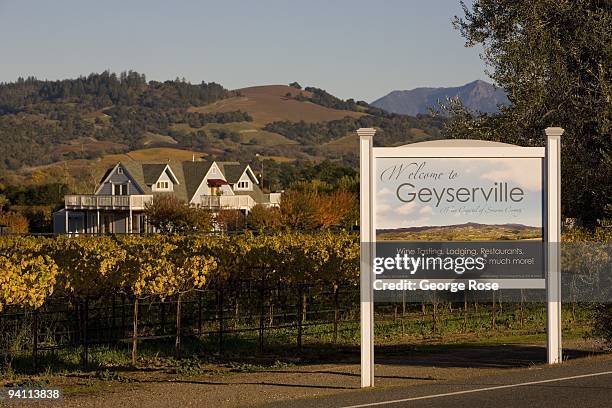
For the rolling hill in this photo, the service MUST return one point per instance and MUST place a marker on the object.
(273, 103)
(477, 96)
(58, 131)
(470, 231)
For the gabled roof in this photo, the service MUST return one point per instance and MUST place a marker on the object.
(132, 174)
(188, 175)
(232, 171)
(151, 172)
(194, 173)
(106, 174)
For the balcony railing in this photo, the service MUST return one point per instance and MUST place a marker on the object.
(119, 202)
(239, 202)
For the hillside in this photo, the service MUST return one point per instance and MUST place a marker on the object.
(54, 131)
(273, 103)
(477, 96)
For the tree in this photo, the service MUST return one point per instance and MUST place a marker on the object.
(16, 222)
(299, 209)
(229, 220)
(169, 214)
(310, 207)
(263, 218)
(552, 57)
(338, 208)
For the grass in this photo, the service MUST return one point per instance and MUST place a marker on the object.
(269, 104)
(400, 339)
(414, 331)
(153, 138)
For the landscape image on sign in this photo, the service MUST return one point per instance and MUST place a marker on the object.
(458, 199)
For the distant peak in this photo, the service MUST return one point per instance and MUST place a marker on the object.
(477, 96)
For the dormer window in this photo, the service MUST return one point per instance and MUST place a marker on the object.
(162, 185)
(243, 185)
(119, 170)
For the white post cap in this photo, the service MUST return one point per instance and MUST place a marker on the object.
(554, 131)
(366, 132)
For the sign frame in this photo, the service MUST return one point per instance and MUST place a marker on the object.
(551, 222)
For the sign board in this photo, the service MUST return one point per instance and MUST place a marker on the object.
(458, 214)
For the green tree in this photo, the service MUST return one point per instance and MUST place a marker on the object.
(552, 57)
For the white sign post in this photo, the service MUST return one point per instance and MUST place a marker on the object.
(553, 242)
(367, 232)
(462, 149)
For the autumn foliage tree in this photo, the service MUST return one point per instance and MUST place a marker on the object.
(16, 222)
(262, 218)
(309, 210)
(169, 214)
(229, 220)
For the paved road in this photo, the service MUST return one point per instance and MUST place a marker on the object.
(581, 384)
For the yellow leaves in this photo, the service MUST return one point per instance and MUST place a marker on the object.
(89, 265)
(164, 265)
(26, 280)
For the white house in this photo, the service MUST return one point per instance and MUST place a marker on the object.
(118, 204)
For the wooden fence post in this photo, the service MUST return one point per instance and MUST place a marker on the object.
(177, 343)
(199, 313)
(113, 315)
(85, 357)
(35, 340)
(135, 331)
(262, 312)
(162, 317)
(237, 291)
(336, 313)
(122, 315)
(220, 306)
(298, 314)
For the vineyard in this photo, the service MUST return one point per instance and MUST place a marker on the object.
(241, 294)
(79, 275)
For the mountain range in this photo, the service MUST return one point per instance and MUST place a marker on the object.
(477, 96)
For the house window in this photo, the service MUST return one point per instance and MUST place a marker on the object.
(163, 185)
(213, 170)
(243, 185)
(119, 170)
(120, 189)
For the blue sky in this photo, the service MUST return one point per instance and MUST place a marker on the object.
(358, 49)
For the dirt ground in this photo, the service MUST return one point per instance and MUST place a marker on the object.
(395, 366)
